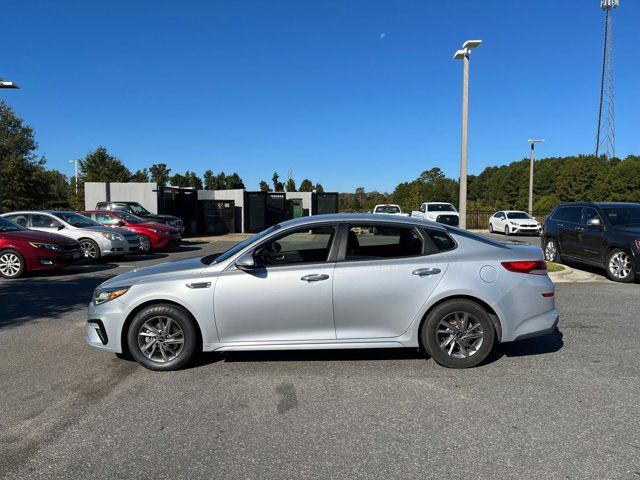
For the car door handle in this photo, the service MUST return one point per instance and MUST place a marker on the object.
(314, 277)
(423, 272)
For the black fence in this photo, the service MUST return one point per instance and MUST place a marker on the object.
(263, 209)
(179, 202)
(216, 217)
(324, 203)
(479, 220)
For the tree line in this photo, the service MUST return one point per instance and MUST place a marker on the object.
(27, 183)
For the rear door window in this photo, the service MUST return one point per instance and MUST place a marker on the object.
(568, 214)
(375, 242)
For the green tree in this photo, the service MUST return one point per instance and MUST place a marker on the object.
(306, 186)
(24, 184)
(140, 176)
(277, 185)
(291, 185)
(100, 166)
(264, 186)
(234, 181)
(159, 173)
(319, 188)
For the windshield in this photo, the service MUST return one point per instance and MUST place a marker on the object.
(519, 215)
(76, 220)
(388, 209)
(220, 257)
(9, 226)
(627, 216)
(131, 218)
(138, 209)
(441, 207)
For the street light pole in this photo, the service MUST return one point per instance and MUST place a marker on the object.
(464, 55)
(75, 165)
(4, 84)
(533, 142)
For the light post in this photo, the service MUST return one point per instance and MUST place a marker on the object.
(533, 142)
(75, 166)
(464, 55)
(4, 84)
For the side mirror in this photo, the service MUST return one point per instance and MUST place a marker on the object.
(246, 262)
(594, 221)
(60, 227)
(121, 223)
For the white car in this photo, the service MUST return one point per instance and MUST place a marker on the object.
(440, 212)
(95, 240)
(389, 209)
(513, 222)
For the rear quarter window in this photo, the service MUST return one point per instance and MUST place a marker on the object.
(441, 240)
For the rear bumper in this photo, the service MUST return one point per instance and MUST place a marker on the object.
(538, 333)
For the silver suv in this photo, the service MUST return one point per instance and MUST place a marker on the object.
(95, 240)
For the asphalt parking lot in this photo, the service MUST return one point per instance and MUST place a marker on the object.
(560, 406)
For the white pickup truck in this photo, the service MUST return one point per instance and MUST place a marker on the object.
(389, 209)
(438, 212)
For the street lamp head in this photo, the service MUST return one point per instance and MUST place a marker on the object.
(535, 140)
(469, 44)
(6, 84)
(459, 54)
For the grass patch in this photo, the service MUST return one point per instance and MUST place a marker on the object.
(554, 267)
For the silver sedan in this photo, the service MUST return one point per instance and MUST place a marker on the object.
(331, 282)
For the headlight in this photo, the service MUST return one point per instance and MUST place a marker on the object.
(113, 236)
(156, 231)
(102, 295)
(46, 246)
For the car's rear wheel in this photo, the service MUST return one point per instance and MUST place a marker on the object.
(458, 334)
(12, 264)
(90, 249)
(551, 251)
(619, 266)
(162, 337)
(145, 244)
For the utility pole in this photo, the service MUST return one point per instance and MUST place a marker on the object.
(533, 142)
(464, 55)
(75, 165)
(4, 84)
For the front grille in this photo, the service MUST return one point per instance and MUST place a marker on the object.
(448, 219)
(70, 247)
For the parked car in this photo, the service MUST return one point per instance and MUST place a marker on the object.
(23, 250)
(152, 235)
(605, 235)
(389, 209)
(438, 212)
(514, 222)
(138, 210)
(95, 240)
(316, 283)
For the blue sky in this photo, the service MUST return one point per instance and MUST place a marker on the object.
(315, 86)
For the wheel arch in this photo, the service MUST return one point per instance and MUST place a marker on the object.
(124, 346)
(495, 320)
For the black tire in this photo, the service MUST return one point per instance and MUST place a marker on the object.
(551, 250)
(506, 230)
(490, 228)
(91, 249)
(431, 334)
(145, 244)
(179, 317)
(619, 266)
(12, 264)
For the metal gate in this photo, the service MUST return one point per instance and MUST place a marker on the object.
(263, 209)
(325, 203)
(180, 202)
(216, 216)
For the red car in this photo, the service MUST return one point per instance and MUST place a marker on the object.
(153, 236)
(23, 250)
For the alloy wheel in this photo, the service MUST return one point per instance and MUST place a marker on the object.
(89, 250)
(620, 265)
(550, 251)
(10, 265)
(160, 339)
(460, 334)
(145, 244)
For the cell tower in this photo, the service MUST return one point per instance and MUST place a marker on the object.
(606, 135)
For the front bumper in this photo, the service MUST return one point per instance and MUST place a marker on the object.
(52, 259)
(104, 326)
(119, 247)
(521, 229)
(167, 240)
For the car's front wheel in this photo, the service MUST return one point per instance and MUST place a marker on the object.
(12, 264)
(506, 230)
(619, 266)
(490, 227)
(145, 244)
(162, 337)
(458, 334)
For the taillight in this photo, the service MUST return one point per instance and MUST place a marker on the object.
(533, 267)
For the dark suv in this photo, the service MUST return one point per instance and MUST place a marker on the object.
(138, 210)
(602, 234)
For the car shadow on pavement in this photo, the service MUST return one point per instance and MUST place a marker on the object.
(544, 344)
(45, 297)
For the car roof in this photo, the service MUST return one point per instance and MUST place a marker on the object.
(362, 217)
(598, 204)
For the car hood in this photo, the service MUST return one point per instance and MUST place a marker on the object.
(159, 226)
(523, 221)
(156, 272)
(36, 236)
(162, 218)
